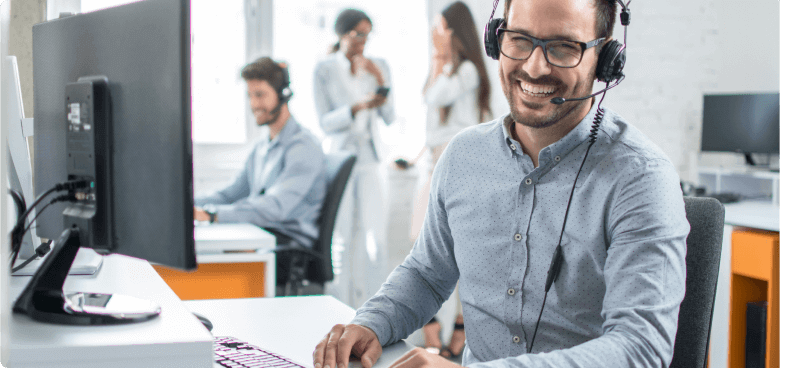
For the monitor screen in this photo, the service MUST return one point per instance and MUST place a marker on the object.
(745, 123)
(143, 50)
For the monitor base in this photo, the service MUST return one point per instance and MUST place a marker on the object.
(43, 298)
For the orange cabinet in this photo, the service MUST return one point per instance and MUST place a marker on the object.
(754, 277)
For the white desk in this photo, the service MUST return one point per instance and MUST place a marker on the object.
(216, 238)
(173, 339)
(289, 326)
(753, 214)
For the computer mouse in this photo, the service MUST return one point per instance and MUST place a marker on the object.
(205, 321)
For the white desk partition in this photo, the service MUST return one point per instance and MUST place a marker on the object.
(222, 237)
(173, 339)
(290, 326)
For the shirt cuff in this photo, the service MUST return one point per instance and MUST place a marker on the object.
(377, 323)
(228, 214)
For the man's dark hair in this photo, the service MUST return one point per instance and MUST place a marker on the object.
(267, 70)
(604, 20)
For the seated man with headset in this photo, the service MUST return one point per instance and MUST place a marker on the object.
(283, 182)
(560, 195)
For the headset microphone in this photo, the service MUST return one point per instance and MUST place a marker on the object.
(561, 100)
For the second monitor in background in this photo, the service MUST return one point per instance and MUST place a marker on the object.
(743, 123)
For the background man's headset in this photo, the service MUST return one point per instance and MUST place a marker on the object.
(611, 60)
(284, 92)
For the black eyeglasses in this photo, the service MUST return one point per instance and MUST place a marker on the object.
(560, 53)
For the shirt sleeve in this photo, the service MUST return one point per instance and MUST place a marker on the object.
(387, 111)
(446, 90)
(644, 275)
(239, 188)
(417, 288)
(332, 118)
(303, 166)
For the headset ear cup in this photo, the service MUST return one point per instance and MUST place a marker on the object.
(490, 38)
(286, 93)
(610, 64)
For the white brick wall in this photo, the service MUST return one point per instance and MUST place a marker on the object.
(678, 51)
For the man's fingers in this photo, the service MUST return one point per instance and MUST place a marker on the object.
(404, 357)
(371, 355)
(331, 345)
(345, 344)
(319, 353)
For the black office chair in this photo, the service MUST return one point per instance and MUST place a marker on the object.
(706, 218)
(315, 266)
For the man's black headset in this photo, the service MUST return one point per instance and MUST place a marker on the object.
(611, 60)
(284, 91)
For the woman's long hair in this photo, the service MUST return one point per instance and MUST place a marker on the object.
(346, 21)
(466, 46)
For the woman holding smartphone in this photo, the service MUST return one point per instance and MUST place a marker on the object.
(351, 93)
(457, 93)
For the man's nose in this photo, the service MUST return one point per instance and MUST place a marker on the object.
(536, 65)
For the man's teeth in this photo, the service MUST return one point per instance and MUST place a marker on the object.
(537, 90)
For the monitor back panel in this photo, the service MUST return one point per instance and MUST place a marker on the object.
(144, 50)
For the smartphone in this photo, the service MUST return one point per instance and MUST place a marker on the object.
(383, 91)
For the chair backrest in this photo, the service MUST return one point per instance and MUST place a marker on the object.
(706, 218)
(338, 167)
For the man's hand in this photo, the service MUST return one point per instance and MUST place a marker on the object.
(419, 357)
(334, 349)
(200, 214)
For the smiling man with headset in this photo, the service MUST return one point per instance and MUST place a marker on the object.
(282, 184)
(564, 223)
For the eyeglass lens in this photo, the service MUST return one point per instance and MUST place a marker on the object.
(559, 53)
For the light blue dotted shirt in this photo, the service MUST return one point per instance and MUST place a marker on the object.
(281, 187)
(492, 224)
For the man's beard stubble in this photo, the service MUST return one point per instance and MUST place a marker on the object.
(559, 111)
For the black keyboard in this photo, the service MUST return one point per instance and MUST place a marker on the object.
(231, 352)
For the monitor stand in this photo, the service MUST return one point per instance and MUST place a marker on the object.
(43, 299)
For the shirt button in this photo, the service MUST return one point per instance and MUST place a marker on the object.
(511, 291)
(528, 181)
(513, 146)
(517, 237)
(556, 158)
(516, 339)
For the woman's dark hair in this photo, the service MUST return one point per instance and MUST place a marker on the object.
(346, 21)
(466, 46)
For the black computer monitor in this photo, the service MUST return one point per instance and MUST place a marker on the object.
(113, 109)
(744, 123)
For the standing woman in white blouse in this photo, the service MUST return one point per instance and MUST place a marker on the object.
(457, 93)
(351, 98)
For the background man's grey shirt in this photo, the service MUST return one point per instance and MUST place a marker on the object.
(282, 186)
(493, 222)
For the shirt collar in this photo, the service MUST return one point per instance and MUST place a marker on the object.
(289, 129)
(562, 147)
(342, 60)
